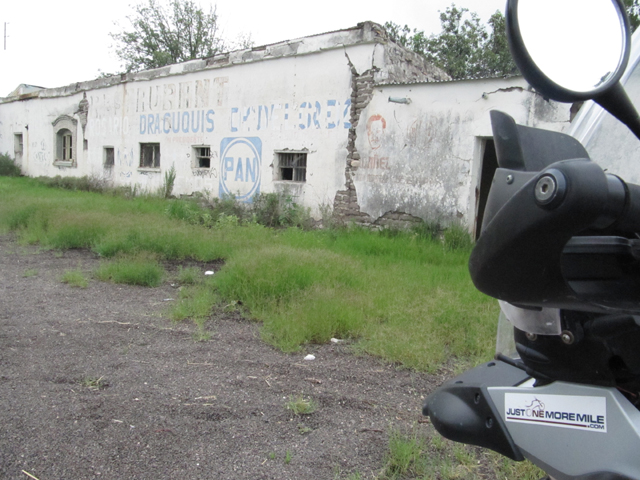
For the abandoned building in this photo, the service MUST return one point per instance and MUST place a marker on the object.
(346, 119)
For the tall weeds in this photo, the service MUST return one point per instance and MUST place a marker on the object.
(406, 297)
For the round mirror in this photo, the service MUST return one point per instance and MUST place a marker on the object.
(569, 50)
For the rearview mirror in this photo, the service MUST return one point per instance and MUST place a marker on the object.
(569, 50)
(574, 50)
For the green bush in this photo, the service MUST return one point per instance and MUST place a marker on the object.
(8, 168)
(279, 210)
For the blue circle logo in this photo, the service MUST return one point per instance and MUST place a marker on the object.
(240, 167)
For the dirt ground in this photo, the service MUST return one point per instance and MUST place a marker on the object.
(166, 406)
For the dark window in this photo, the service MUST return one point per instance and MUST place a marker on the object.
(293, 166)
(66, 140)
(65, 145)
(18, 145)
(149, 155)
(109, 157)
(202, 156)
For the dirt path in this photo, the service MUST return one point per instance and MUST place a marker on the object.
(170, 407)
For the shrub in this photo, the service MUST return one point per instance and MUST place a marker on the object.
(279, 210)
(8, 168)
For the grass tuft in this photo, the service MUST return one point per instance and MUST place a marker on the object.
(94, 383)
(75, 278)
(300, 405)
(132, 270)
(190, 275)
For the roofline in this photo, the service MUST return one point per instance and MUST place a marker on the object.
(367, 32)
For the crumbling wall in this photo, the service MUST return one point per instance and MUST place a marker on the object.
(391, 63)
(420, 146)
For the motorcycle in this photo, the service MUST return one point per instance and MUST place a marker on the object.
(560, 250)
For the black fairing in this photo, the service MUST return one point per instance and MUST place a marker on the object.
(578, 253)
(530, 149)
(461, 410)
(520, 256)
(603, 351)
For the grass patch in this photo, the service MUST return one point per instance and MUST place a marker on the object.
(190, 275)
(75, 278)
(300, 405)
(415, 454)
(94, 383)
(132, 270)
(405, 296)
(30, 272)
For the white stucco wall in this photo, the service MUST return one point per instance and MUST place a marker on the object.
(424, 158)
(297, 103)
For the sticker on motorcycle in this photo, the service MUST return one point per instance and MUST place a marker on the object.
(565, 411)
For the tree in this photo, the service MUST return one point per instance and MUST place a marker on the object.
(633, 12)
(161, 35)
(497, 56)
(459, 47)
(465, 47)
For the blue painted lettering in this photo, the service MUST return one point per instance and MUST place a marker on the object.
(346, 114)
(228, 167)
(239, 171)
(195, 127)
(210, 113)
(266, 116)
(175, 122)
(251, 170)
(316, 115)
(166, 123)
(330, 103)
(234, 122)
(185, 124)
(301, 125)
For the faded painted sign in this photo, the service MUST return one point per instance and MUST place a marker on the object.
(240, 161)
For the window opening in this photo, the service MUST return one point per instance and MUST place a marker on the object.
(66, 140)
(149, 155)
(109, 156)
(293, 166)
(18, 145)
(67, 147)
(202, 156)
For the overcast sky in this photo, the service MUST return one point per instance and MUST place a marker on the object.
(56, 43)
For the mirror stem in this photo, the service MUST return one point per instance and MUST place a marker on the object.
(617, 103)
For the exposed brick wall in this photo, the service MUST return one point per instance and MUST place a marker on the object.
(345, 203)
(400, 65)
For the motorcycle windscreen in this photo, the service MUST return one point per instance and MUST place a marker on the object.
(541, 321)
(505, 341)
